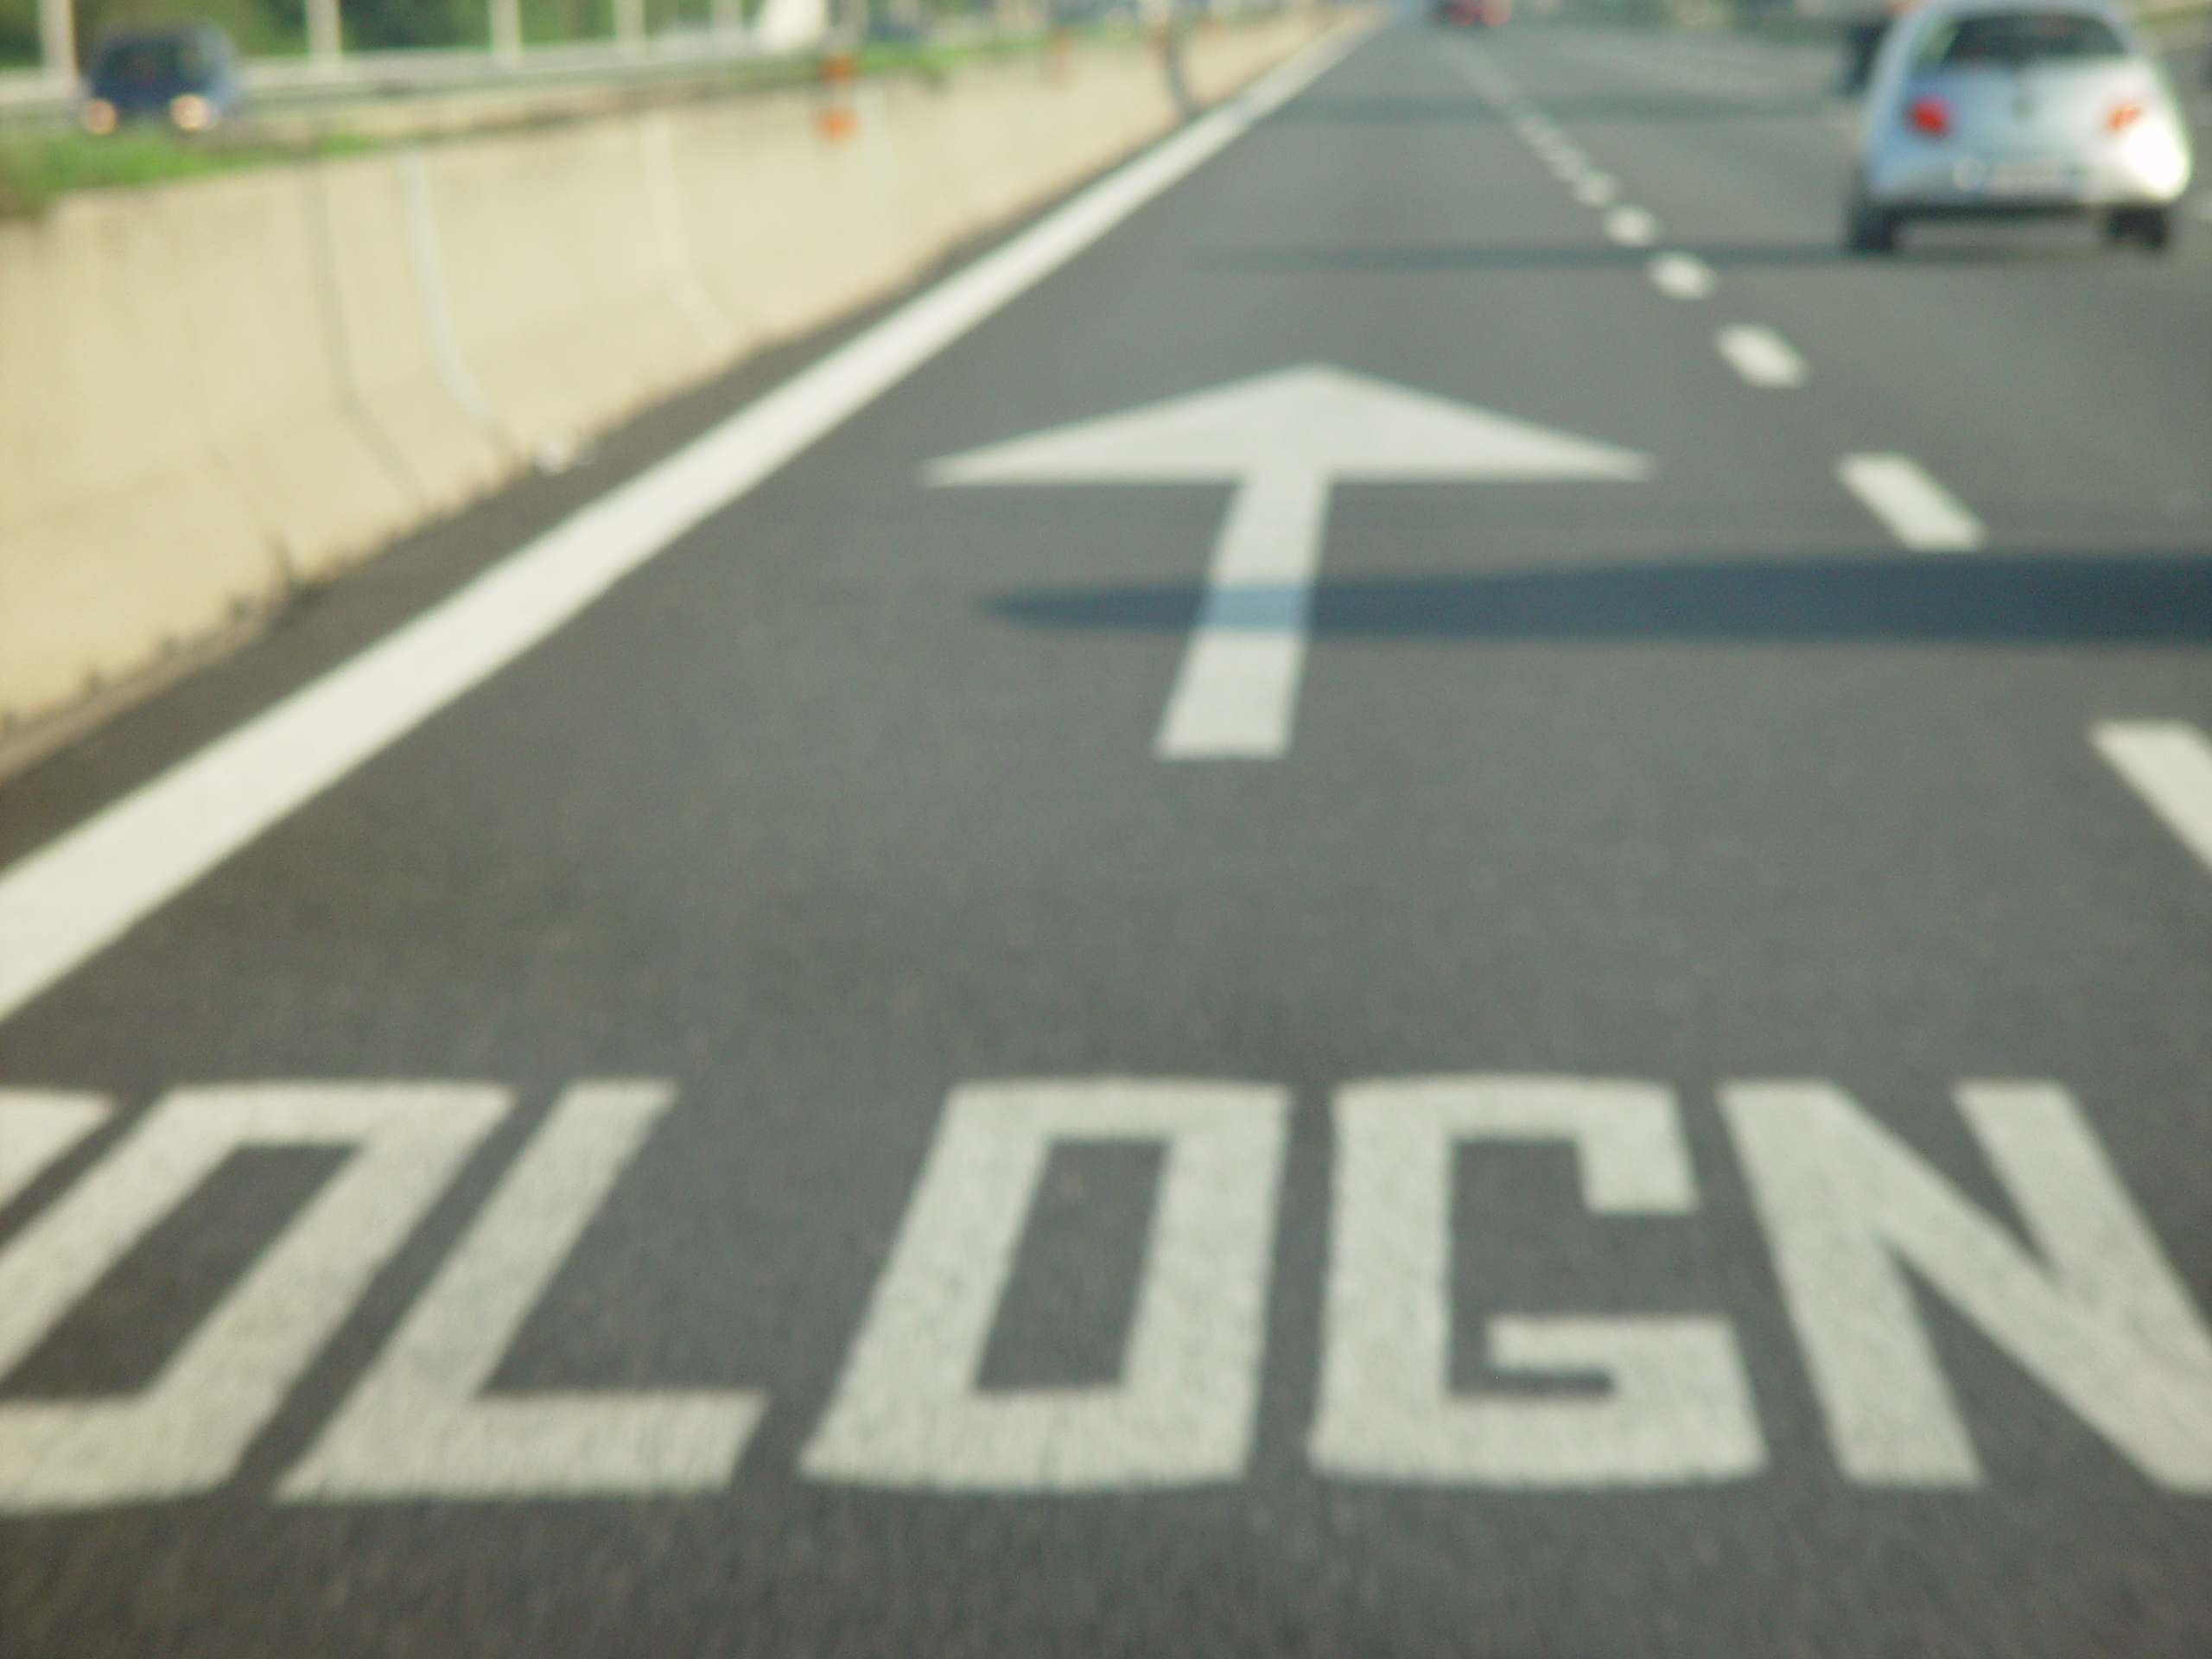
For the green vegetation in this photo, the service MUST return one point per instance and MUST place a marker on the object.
(278, 28)
(36, 167)
(38, 163)
(259, 27)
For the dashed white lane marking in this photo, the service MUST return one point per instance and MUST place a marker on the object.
(1919, 512)
(1680, 275)
(1597, 189)
(78, 893)
(2169, 763)
(1632, 227)
(1761, 355)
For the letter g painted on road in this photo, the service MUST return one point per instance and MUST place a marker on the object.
(1678, 1409)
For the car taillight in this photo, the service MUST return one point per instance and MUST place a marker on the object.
(2122, 117)
(1930, 115)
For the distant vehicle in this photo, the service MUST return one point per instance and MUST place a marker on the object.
(185, 74)
(2018, 108)
(1473, 14)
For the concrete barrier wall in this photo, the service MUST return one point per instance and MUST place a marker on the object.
(213, 391)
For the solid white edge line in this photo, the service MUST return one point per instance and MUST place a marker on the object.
(2169, 763)
(62, 904)
(1920, 512)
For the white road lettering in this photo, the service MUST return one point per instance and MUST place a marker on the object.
(1761, 355)
(2100, 1320)
(907, 1411)
(418, 1425)
(37, 1126)
(187, 1432)
(1239, 680)
(2169, 763)
(1679, 1408)
(1920, 512)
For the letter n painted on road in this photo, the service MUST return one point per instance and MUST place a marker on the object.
(2102, 1320)
(1678, 1409)
(907, 1411)
(186, 1431)
(417, 1426)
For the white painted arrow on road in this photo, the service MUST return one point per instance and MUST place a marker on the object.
(1283, 440)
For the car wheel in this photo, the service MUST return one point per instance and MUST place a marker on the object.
(1870, 229)
(2149, 228)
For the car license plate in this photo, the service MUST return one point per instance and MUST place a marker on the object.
(2030, 178)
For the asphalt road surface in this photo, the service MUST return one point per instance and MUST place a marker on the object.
(1515, 962)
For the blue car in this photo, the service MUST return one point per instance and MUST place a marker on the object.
(185, 74)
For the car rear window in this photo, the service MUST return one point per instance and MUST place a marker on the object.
(2018, 37)
(153, 61)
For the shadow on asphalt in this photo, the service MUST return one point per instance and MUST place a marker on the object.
(2161, 598)
(1460, 256)
(1383, 112)
(1692, 106)
(2025, 246)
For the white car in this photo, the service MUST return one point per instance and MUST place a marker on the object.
(2018, 107)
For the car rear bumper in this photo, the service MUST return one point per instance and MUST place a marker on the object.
(1957, 180)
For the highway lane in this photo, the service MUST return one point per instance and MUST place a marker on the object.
(844, 814)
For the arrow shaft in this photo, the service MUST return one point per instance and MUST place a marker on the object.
(1236, 692)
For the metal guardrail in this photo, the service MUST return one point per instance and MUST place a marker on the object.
(298, 83)
(294, 81)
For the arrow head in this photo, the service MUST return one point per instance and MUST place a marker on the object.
(1314, 419)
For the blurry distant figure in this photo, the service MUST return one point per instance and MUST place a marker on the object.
(1473, 14)
(1175, 65)
(185, 74)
